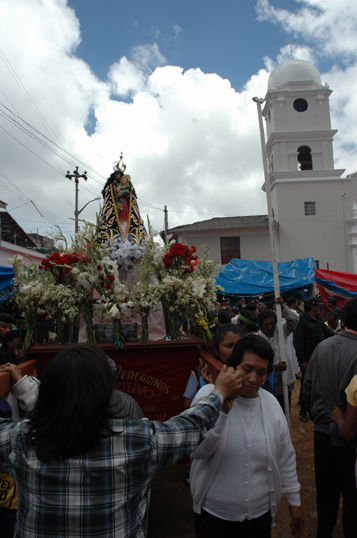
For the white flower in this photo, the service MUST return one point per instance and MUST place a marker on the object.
(199, 287)
(114, 312)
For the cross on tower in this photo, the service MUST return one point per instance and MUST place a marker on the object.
(291, 43)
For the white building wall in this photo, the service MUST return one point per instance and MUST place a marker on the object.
(321, 236)
(8, 251)
(200, 240)
(253, 245)
(286, 118)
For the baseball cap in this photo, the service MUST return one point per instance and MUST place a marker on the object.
(313, 301)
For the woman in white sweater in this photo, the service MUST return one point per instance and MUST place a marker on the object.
(247, 460)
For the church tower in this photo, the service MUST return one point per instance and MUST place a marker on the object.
(310, 199)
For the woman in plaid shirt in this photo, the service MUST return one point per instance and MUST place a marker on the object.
(82, 473)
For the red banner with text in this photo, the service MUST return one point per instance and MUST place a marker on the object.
(157, 379)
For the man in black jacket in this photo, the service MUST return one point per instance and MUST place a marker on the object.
(330, 369)
(310, 331)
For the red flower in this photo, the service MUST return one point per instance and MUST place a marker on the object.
(179, 251)
(108, 286)
(111, 277)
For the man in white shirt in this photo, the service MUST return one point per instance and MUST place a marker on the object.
(269, 330)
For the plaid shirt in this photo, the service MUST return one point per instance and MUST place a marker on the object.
(105, 492)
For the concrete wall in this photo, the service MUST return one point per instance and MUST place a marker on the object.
(285, 118)
(8, 251)
(322, 236)
(253, 245)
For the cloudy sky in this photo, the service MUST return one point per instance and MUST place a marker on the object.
(170, 84)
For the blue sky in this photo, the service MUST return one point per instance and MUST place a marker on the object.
(168, 82)
(222, 37)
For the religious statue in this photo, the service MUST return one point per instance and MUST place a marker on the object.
(120, 214)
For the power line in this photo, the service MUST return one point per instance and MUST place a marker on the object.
(31, 134)
(8, 100)
(30, 150)
(46, 142)
(11, 186)
(65, 155)
(150, 205)
(25, 91)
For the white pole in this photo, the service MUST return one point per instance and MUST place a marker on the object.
(259, 102)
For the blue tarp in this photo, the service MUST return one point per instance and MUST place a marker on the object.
(6, 282)
(248, 277)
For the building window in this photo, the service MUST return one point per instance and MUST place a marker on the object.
(271, 163)
(310, 208)
(304, 158)
(300, 105)
(230, 248)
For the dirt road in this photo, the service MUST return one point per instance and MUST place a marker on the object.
(171, 508)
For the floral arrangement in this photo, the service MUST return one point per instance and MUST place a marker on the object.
(114, 294)
(60, 263)
(187, 289)
(184, 284)
(30, 294)
(63, 285)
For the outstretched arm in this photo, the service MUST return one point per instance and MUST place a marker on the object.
(180, 435)
(25, 388)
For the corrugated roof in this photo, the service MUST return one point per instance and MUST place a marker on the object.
(223, 223)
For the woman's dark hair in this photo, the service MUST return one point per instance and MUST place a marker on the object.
(7, 318)
(7, 355)
(221, 331)
(71, 410)
(224, 316)
(251, 306)
(11, 335)
(254, 344)
(349, 314)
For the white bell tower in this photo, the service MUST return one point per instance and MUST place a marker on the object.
(310, 199)
(298, 122)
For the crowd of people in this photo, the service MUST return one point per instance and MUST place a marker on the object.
(77, 456)
(322, 354)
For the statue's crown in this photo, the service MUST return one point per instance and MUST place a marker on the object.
(119, 166)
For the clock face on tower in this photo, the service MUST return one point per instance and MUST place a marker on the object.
(300, 105)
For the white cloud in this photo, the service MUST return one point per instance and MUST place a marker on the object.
(343, 115)
(190, 141)
(329, 25)
(125, 77)
(176, 31)
(329, 29)
(147, 57)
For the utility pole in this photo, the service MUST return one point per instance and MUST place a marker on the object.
(3, 205)
(259, 102)
(166, 223)
(76, 176)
